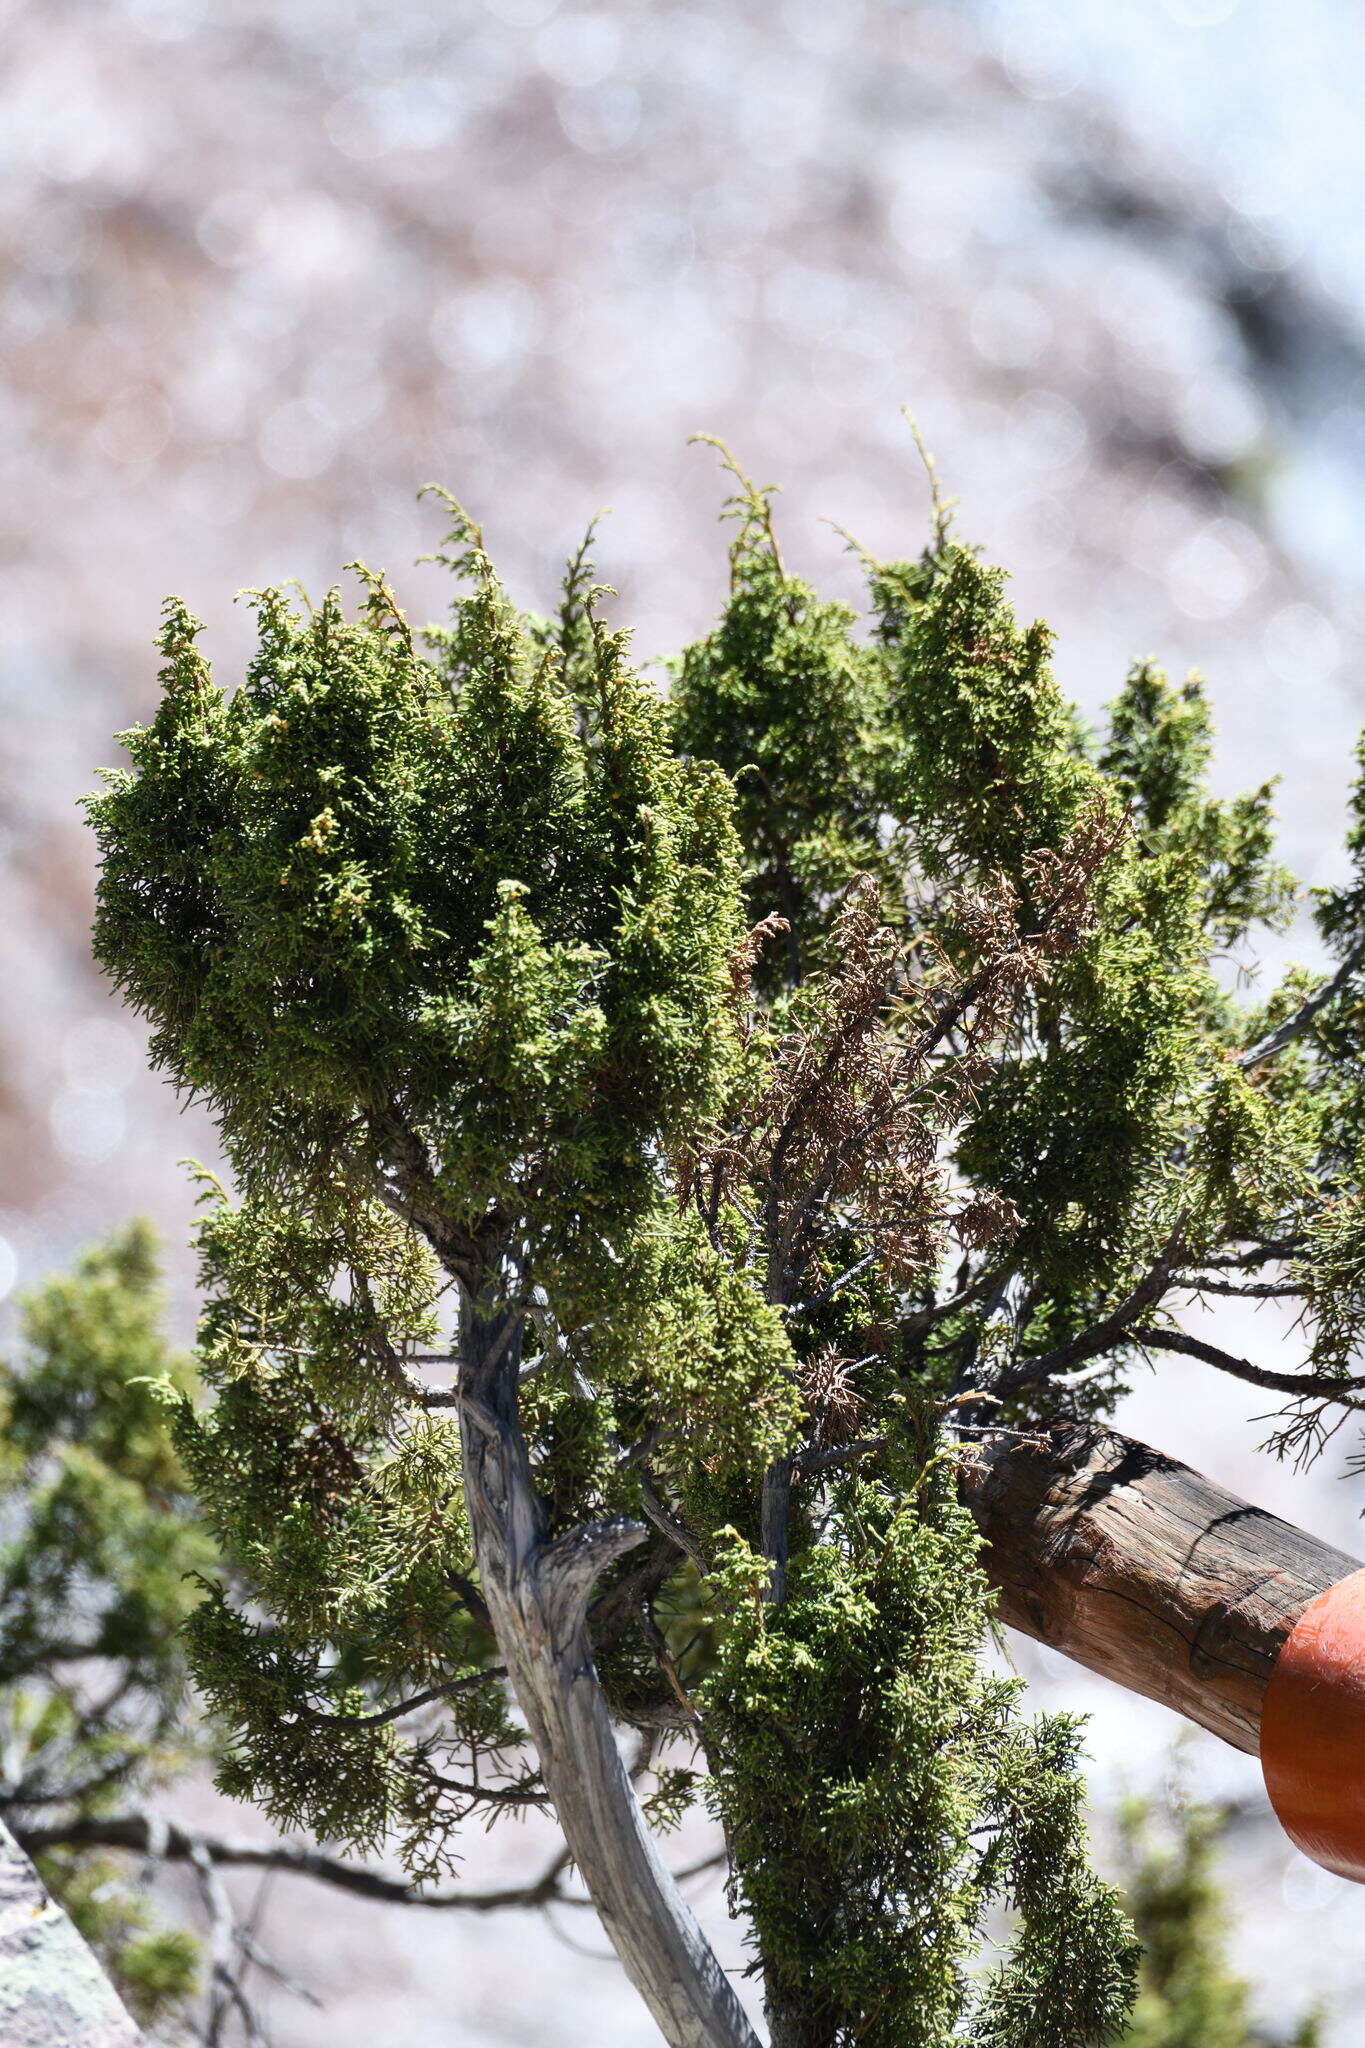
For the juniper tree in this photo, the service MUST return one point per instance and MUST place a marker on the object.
(103, 1554)
(664, 1133)
(100, 1552)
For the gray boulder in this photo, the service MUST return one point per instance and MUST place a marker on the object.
(53, 1994)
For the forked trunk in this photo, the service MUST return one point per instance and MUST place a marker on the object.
(537, 1594)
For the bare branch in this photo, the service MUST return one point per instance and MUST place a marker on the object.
(12, 1668)
(571, 1565)
(168, 1842)
(529, 1792)
(921, 1319)
(251, 1948)
(471, 1598)
(667, 1522)
(614, 1609)
(384, 1715)
(1303, 1386)
(225, 1993)
(809, 1463)
(1103, 1336)
(28, 1793)
(1295, 1026)
(1258, 1255)
(644, 1447)
(1250, 1290)
(836, 1286)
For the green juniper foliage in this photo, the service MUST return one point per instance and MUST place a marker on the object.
(100, 1547)
(794, 1076)
(788, 702)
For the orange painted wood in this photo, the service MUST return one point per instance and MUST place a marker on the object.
(1313, 1730)
(1149, 1573)
(1146, 1571)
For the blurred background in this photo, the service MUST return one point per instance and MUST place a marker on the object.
(264, 270)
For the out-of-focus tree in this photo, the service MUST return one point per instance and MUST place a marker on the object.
(98, 1566)
(1188, 1995)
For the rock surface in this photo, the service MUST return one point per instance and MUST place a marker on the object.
(53, 1993)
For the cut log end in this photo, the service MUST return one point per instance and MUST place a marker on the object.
(1146, 1571)
(1149, 1573)
(1313, 1730)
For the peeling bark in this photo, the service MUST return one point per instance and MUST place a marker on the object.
(537, 1593)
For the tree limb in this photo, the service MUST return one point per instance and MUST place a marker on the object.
(810, 1463)
(382, 1716)
(1295, 1026)
(1250, 1290)
(1309, 1386)
(1102, 1336)
(667, 1522)
(833, 1287)
(169, 1842)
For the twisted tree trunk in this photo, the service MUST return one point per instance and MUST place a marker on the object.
(1145, 1571)
(537, 1594)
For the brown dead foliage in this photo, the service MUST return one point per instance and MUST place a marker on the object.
(840, 1136)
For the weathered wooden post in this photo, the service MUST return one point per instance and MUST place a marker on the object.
(1152, 1575)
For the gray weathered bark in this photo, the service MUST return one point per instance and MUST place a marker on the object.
(1145, 1571)
(53, 1993)
(537, 1595)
